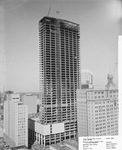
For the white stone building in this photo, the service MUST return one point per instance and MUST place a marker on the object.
(15, 122)
(31, 101)
(97, 112)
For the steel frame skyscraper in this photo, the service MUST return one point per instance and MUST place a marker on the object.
(59, 62)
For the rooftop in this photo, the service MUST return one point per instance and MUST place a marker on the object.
(73, 143)
(63, 23)
(66, 145)
(19, 148)
(35, 116)
(97, 89)
(60, 147)
(37, 146)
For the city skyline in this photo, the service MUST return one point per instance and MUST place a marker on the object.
(99, 30)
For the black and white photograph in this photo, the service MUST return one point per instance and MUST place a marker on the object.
(59, 76)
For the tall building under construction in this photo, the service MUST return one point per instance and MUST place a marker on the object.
(59, 62)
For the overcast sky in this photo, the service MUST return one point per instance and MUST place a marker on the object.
(99, 29)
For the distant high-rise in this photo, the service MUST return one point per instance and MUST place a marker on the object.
(86, 79)
(59, 78)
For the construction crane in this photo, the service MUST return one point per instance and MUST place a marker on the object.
(57, 12)
(50, 8)
(49, 11)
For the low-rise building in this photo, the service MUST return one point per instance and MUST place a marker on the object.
(38, 132)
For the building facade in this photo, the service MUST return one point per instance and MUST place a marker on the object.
(31, 101)
(59, 78)
(15, 122)
(97, 112)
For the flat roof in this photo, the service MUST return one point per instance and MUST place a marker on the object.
(59, 147)
(73, 143)
(97, 90)
(37, 146)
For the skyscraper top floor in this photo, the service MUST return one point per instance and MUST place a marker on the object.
(63, 23)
